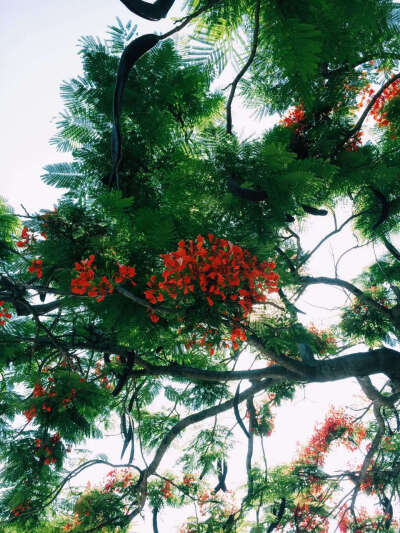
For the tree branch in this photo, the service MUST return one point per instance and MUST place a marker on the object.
(243, 70)
(368, 108)
(308, 280)
(392, 249)
(198, 417)
(328, 236)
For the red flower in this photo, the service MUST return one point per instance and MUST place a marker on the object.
(30, 413)
(38, 390)
(125, 273)
(3, 313)
(36, 267)
(25, 238)
(294, 117)
(154, 318)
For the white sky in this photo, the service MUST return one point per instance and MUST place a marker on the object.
(38, 50)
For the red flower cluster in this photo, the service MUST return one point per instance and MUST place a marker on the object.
(20, 509)
(325, 339)
(69, 398)
(26, 238)
(36, 268)
(38, 390)
(30, 413)
(363, 521)
(336, 425)
(118, 480)
(125, 273)
(360, 308)
(354, 142)
(47, 393)
(85, 281)
(310, 521)
(82, 283)
(204, 336)
(390, 92)
(188, 480)
(294, 116)
(3, 313)
(166, 490)
(237, 334)
(220, 269)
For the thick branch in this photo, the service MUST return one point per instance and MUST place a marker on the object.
(298, 368)
(23, 308)
(382, 360)
(279, 516)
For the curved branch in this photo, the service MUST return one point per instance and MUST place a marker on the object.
(177, 429)
(371, 452)
(237, 413)
(384, 207)
(364, 115)
(134, 51)
(329, 235)
(189, 18)
(308, 280)
(141, 301)
(222, 470)
(390, 248)
(243, 70)
(198, 417)
(279, 516)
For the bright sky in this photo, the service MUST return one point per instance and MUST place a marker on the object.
(38, 50)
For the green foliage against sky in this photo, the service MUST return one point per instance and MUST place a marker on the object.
(137, 299)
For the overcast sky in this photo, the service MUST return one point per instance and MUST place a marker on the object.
(38, 50)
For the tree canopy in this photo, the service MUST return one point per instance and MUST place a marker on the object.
(175, 255)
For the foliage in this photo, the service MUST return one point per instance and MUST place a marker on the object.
(167, 301)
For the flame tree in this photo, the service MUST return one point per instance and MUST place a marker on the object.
(175, 256)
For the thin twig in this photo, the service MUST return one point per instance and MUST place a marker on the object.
(243, 70)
